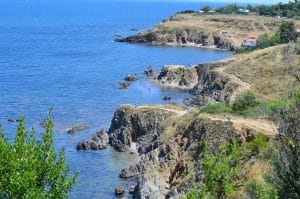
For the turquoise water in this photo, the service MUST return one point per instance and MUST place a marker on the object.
(61, 54)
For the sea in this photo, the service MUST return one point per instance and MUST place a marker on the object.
(61, 54)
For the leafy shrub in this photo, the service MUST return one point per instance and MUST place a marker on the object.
(256, 190)
(30, 167)
(265, 41)
(287, 32)
(186, 12)
(248, 100)
(215, 108)
(220, 170)
(260, 142)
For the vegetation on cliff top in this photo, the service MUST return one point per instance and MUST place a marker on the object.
(31, 168)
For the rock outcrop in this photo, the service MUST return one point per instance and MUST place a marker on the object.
(202, 81)
(173, 142)
(136, 129)
(225, 32)
(180, 37)
(131, 77)
(98, 141)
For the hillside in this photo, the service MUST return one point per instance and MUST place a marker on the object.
(208, 31)
(266, 71)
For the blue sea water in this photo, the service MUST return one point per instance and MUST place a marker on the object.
(61, 55)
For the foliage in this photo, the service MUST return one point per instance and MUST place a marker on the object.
(286, 156)
(259, 143)
(256, 190)
(220, 170)
(241, 50)
(287, 32)
(206, 8)
(215, 108)
(232, 8)
(186, 12)
(265, 40)
(30, 167)
(289, 10)
(248, 100)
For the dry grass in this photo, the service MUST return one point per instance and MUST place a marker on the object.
(233, 27)
(265, 71)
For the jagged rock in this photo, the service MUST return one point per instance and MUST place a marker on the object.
(177, 76)
(131, 77)
(123, 85)
(119, 191)
(98, 141)
(150, 73)
(167, 98)
(163, 172)
(199, 100)
(184, 36)
(76, 128)
(202, 81)
(132, 125)
(10, 120)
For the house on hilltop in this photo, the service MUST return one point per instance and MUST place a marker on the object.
(250, 42)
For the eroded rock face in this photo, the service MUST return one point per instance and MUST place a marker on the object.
(98, 141)
(178, 77)
(202, 81)
(183, 36)
(164, 170)
(136, 128)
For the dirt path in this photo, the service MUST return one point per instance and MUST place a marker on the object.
(243, 86)
(239, 123)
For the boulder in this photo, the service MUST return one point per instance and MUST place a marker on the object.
(119, 191)
(167, 98)
(123, 85)
(98, 141)
(149, 72)
(131, 77)
(76, 128)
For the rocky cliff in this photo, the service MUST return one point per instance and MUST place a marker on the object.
(204, 82)
(225, 32)
(180, 37)
(173, 141)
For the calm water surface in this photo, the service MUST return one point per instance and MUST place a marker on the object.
(61, 54)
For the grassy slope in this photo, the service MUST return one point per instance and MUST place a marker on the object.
(232, 27)
(265, 71)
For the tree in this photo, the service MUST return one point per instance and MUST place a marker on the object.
(30, 167)
(220, 171)
(286, 158)
(287, 32)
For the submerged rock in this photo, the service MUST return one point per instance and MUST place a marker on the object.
(98, 141)
(149, 72)
(119, 191)
(167, 98)
(131, 77)
(10, 120)
(77, 128)
(123, 85)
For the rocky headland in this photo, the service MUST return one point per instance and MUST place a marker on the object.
(225, 32)
(170, 141)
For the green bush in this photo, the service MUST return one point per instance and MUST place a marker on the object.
(259, 143)
(215, 108)
(220, 171)
(265, 41)
(248, 100)
(256, 190)
(30, 167)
